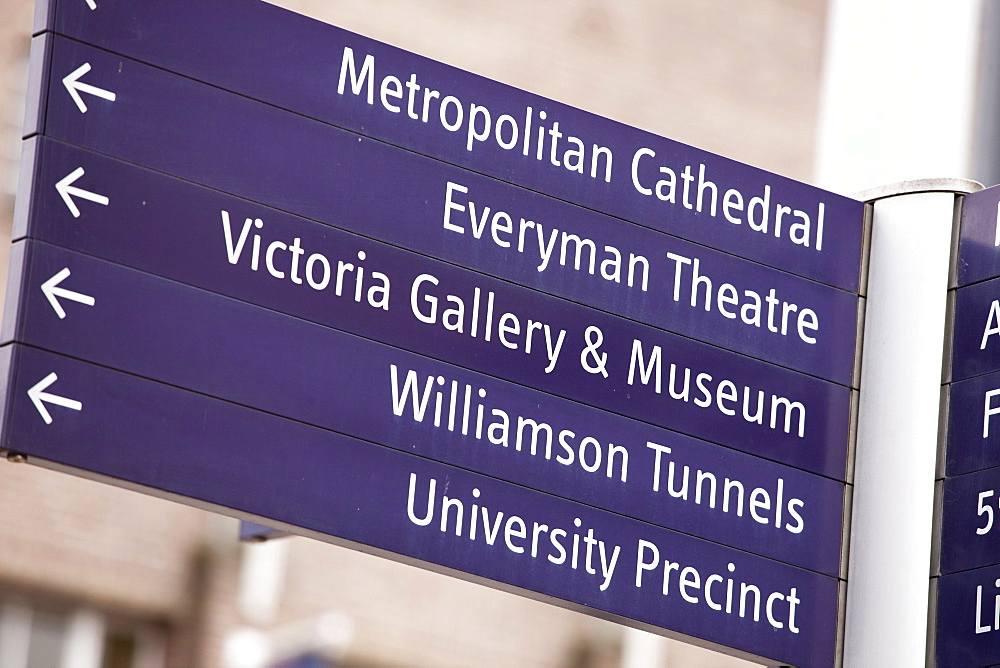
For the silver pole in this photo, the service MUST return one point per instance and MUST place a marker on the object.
(892, 515)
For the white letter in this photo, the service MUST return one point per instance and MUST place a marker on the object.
(410, 387)
(269, 258)
(432, 300)
(708, 591)
(988, 412)
(449, 205)
(996, 236)
(607, 570)
(430, 502)
(679, 262)
(660, 449)
(475, 111)
(641, 565)
(979, 610)
(646, 371)
(234, 253)
(770, 615)
(635, 170)
(993, 318)
(367, 72)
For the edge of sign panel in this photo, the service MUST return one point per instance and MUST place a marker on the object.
(608, 166)
(979, 236)
(371, 481)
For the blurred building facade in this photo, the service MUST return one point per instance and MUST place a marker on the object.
(92, 575)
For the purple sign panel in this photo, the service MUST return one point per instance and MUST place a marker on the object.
(976, 343)
(441, 310)
(979, 241)
(970, 521)
(389, 275)
(152, 327)
(973, 425)
(439, 210)
(968, 618)
(343, 79)
(413, 509)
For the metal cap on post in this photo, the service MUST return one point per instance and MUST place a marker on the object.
(897, 438)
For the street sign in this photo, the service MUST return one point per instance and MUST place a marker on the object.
(176, 443)
(979, 241)
(605, 328)
(970, 521)
(968, 618)
(386, 93)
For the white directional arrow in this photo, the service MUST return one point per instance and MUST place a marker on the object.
(75, 87)
(38, 396)
(53, 292)
(67, 191)
(92, 4)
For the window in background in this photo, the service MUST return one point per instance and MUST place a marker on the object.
(43, 634)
